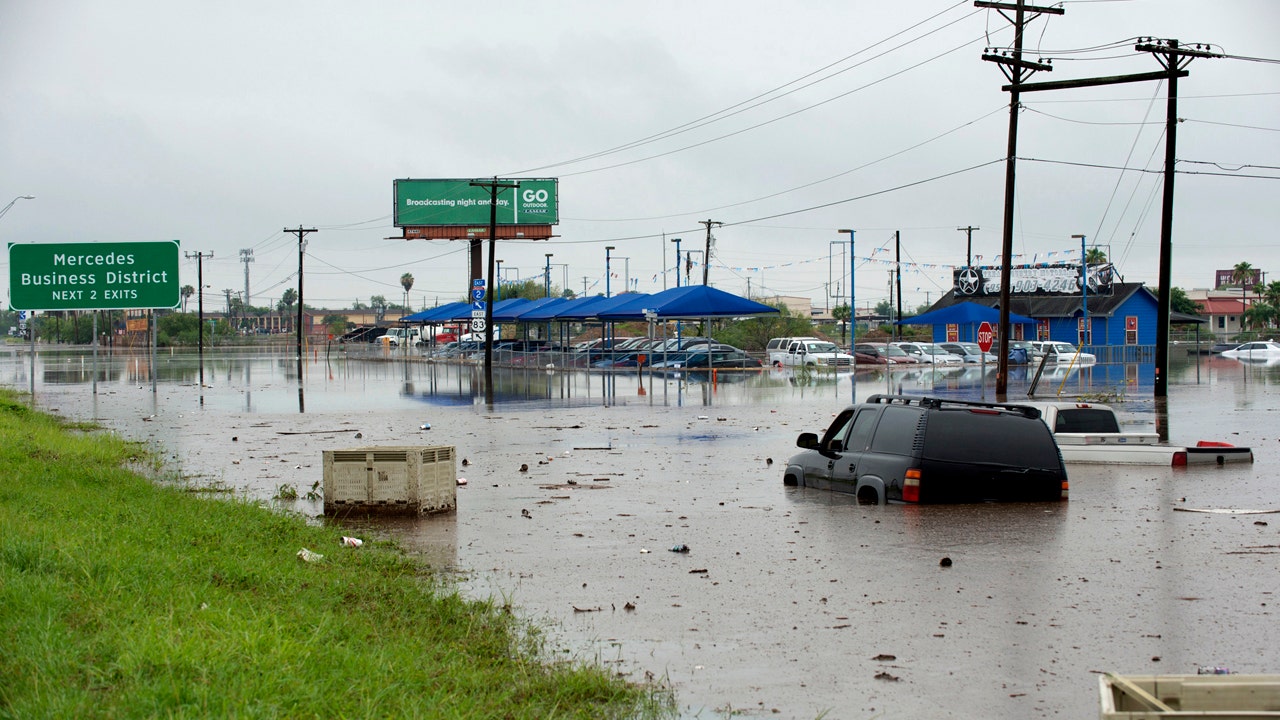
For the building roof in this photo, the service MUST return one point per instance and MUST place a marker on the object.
(1037, 306)
(1220, 306)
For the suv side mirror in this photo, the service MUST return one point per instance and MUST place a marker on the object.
(808, 441)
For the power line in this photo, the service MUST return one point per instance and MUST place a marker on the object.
(805, 185)
(748, 103)
(770, 121)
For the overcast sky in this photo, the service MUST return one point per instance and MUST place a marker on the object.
(218, 124)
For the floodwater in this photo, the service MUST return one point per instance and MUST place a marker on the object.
(790, 602)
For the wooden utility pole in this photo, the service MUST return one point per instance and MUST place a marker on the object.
(1174, 58)
(706, 256)
(968, 255)
(199, 256)
(897, 265)
(1016, 70)
(301, 232)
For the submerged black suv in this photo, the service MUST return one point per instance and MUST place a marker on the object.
(896, 448)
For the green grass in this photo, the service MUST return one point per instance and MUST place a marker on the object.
(122, 598)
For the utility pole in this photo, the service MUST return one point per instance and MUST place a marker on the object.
(1016, 70)
(494, 187)
(200, 256)
(897, 264)
(227, 292)
(584, 285)
(968, 256)
(246, 257)
(301, 232)
(1174, 58)
(706, 256)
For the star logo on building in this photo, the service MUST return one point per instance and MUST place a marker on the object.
(969, 281)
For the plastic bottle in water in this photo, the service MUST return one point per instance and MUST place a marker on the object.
(1212, 670)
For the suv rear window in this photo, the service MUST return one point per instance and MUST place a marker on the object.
(954, 436)
(896, 433)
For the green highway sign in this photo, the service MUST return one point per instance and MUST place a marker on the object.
(458, 202)
(93, 276)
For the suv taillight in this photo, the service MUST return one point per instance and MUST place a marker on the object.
(1065, 487)
(911, 486)
(1180, 459)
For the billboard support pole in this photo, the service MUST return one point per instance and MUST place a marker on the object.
(493, 187)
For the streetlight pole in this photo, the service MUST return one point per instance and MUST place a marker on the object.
(677, 242)
(607, 249)
(11, 202)
(497, 283)
(853, 316)
(1084, 292)
(548, 274)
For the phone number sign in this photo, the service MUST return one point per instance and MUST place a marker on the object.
(93, 276)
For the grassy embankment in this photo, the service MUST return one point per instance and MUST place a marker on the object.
(123, 598)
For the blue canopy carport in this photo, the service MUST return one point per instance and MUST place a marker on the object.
(968, 315)
(691, 302)
(432, 316)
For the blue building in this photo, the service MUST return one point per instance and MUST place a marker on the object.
(1121, 324)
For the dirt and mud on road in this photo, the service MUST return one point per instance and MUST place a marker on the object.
(657, 538)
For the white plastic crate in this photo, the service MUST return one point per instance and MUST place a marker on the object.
(395, 479)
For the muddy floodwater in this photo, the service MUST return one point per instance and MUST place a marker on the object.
(789, 602)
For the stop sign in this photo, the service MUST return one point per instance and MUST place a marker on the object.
(985, 336)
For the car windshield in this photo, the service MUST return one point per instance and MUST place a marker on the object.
(893, 351)
(821, 347)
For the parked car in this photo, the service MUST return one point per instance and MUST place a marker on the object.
(1257, 350)
(1064, 352)
(969, 352)
(929, 353)
(722, 356)
(896, 448)
(892, 353)
(1032, 352)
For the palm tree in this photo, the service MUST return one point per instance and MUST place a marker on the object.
(406, 281)
(187, 292)
(1242, 273)
(1095, 256)
(842, 313)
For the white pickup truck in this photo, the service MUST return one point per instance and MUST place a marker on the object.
(396, 336)
(807, 351)
(1090, 433)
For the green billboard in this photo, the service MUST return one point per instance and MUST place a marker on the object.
(93, 276)
(459, 202)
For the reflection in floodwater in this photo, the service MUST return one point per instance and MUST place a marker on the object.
(264, 379)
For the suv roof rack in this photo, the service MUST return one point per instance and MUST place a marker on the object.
(937, 402)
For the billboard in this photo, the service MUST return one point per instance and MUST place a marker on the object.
(1044, 280)
(1226, 278)
(93, 276)
(458, 202)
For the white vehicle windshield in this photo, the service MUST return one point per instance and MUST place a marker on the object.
(821, 347)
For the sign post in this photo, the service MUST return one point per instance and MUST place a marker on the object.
(985, 339)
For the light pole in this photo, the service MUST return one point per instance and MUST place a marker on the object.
(853, 316)
(547, 275)
(607, 249)
(497, 286)
(677, 242)
(1084, 291)
(11, 202)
